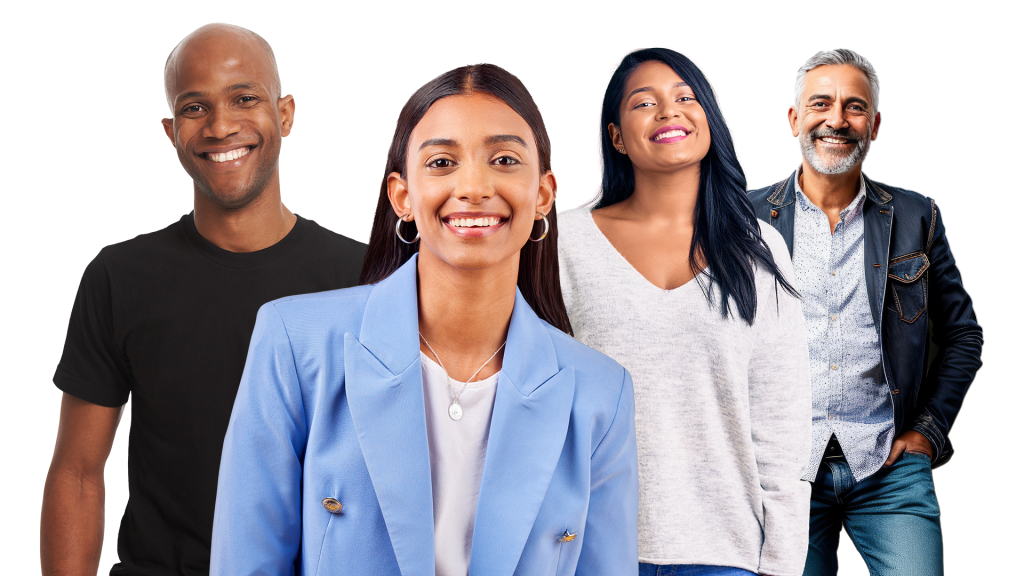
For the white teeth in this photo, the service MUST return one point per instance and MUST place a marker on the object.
(473, 222)
(669, 134)
(229, 155)
(833, 140)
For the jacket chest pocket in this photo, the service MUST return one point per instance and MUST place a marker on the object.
(909, 285)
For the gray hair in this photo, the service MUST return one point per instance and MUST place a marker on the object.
(833, 58)
(215, 28)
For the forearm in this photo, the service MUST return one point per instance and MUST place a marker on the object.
(71, 529)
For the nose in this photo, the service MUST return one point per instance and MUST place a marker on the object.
(221, 123)
(668, 110)
(474, 185)
(836, 118)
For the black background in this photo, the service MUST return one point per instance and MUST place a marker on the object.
(126, 179)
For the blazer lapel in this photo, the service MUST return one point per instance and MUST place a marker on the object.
(384, 385)
(528, 428)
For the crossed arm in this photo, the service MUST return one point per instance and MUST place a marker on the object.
(71, 530)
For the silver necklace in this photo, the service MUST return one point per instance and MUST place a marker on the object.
(455, 411)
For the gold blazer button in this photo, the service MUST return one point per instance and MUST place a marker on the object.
(566, 537)
(332, 505)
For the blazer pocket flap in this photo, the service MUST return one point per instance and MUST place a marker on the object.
(908, 268)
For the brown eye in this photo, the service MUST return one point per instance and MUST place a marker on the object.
(506, 161)
(441, 163)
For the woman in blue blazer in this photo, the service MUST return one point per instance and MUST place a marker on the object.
(332, 462)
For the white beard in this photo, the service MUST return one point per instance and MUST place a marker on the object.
(830, 163)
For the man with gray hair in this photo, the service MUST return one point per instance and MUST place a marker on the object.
(894, 343)
(165, 319)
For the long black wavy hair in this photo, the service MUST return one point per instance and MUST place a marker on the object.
(538, 261)
(726, 233)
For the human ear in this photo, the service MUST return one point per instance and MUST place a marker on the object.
(398, 195)
(793, 117)
(874, 128)
(616, 135)
(169, 129)
(286, 113)
(546, 193)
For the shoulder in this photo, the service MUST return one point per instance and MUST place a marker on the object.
(776, 243)
(334, 240)
(573, 221)
(904, 199)
(148, 250)
(761, 195)
(599, 377)
(321, 313)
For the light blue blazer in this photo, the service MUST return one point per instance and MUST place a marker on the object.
(331, 406)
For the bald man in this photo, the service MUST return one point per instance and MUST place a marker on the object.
(165, 319)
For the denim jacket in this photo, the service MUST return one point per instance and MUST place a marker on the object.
(930, 339)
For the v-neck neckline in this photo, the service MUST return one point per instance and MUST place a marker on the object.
(628, 264)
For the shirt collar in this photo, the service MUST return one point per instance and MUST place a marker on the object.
(855, 207)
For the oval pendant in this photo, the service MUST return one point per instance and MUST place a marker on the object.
(455, 411)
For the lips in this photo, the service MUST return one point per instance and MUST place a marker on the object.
(474, 225)
(229, 155)
(226, 158)
(831, 137)
(669, 134)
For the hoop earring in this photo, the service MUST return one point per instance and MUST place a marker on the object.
(399, 233)
(546, 228)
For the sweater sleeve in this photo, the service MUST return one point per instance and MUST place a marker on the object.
(780, 421)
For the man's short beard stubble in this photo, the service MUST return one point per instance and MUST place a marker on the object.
(830, 163)
(264, 172)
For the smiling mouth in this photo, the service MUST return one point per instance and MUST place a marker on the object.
(227, 156)
(670, 134)
(834, 140)
(484, 222)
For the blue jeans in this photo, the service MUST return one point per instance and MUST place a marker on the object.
(690, 570)
(892, 517)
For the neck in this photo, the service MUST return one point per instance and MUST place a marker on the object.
(668, 198)
(255, 226)
(465, 314)
(829, 191)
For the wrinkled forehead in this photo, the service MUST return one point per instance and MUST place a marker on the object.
(837, 81)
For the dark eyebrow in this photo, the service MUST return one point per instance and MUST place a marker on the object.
(648, 89)
(856, 100)
(437, 142)
(820, 97)
(499, 138)
(232, 88)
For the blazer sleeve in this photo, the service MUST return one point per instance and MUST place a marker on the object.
(780, 427)
(610, 537)
(958, 338)
(257, 524)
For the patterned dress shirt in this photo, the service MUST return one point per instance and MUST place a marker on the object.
(850, 397)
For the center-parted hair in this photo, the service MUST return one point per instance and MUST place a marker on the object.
(726, 233)
(538, 261)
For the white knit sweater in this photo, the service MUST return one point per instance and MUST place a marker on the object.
(723, 409)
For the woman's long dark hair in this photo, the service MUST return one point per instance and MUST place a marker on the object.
(726, 234)
(538, 261)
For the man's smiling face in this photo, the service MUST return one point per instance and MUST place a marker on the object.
(227, 115)
(835, 118)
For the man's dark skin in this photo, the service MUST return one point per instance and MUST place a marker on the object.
(225, 96)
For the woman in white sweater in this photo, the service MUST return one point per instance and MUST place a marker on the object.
(672, 275)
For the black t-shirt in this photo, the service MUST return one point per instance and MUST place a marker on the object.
(167, 318)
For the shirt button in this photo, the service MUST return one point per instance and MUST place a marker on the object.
(833, 272)
(832, 317)
(332, 505)
(835, 366)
